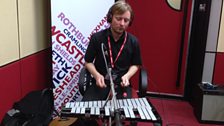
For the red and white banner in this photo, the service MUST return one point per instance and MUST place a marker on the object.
(73, 23)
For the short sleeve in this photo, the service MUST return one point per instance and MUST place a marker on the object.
(91, 50)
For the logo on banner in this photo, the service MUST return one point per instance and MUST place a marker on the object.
(69, 44)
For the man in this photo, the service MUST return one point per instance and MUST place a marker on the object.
(119, 50)
(122, 55)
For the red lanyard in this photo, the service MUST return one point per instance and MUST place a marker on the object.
(119, 53)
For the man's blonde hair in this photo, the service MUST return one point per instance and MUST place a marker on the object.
(119, 7)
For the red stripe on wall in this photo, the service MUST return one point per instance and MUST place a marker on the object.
(219, 69)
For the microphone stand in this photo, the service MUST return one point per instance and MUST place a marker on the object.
(116, 112)
(117, 116)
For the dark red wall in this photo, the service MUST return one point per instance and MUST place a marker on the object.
(159, 28)
(219, 69)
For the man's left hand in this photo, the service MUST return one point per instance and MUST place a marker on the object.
(125, 81)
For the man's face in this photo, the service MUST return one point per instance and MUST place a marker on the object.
(120, 22)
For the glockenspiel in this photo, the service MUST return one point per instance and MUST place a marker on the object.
(137, 109)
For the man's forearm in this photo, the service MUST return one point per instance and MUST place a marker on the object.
(91, 68)
(132, 70)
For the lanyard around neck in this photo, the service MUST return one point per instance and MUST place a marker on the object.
(119, 53)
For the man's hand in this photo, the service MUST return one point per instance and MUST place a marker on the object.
(125, 81)
(100, 81)
(98, 77)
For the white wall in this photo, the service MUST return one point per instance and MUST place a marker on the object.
(9, 48)
(25, 28)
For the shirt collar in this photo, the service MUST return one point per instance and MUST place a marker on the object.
(111, 37)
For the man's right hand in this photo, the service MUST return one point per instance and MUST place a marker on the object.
(98, 77)
(100, 81)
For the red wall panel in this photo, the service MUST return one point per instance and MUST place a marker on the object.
(20, 77)
(219, 69)
(158, 28)
(10, 90)
(36, 71)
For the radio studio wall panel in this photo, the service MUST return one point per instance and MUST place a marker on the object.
(221, 33)
(9, 46)
(34, 25)
(215, 41)
(212, 41)
(213, 30)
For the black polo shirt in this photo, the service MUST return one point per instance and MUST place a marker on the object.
(130, 55)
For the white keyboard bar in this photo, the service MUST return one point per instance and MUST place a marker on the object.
(146, 113)
(142, 116)
(151, 113)
(126, 113)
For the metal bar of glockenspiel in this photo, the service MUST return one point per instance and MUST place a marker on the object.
(78, 110)
(151, 113)
(107, 111)
(142, 116)
(146, 113)
(67, 105)
(126, 112)
(97, 112)
(137, 102)
(146, 102)
(90, 104)
(130, 109)
(83, 110)
(73, 109)
(92, 110)
(129, 103)
(133, 103)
